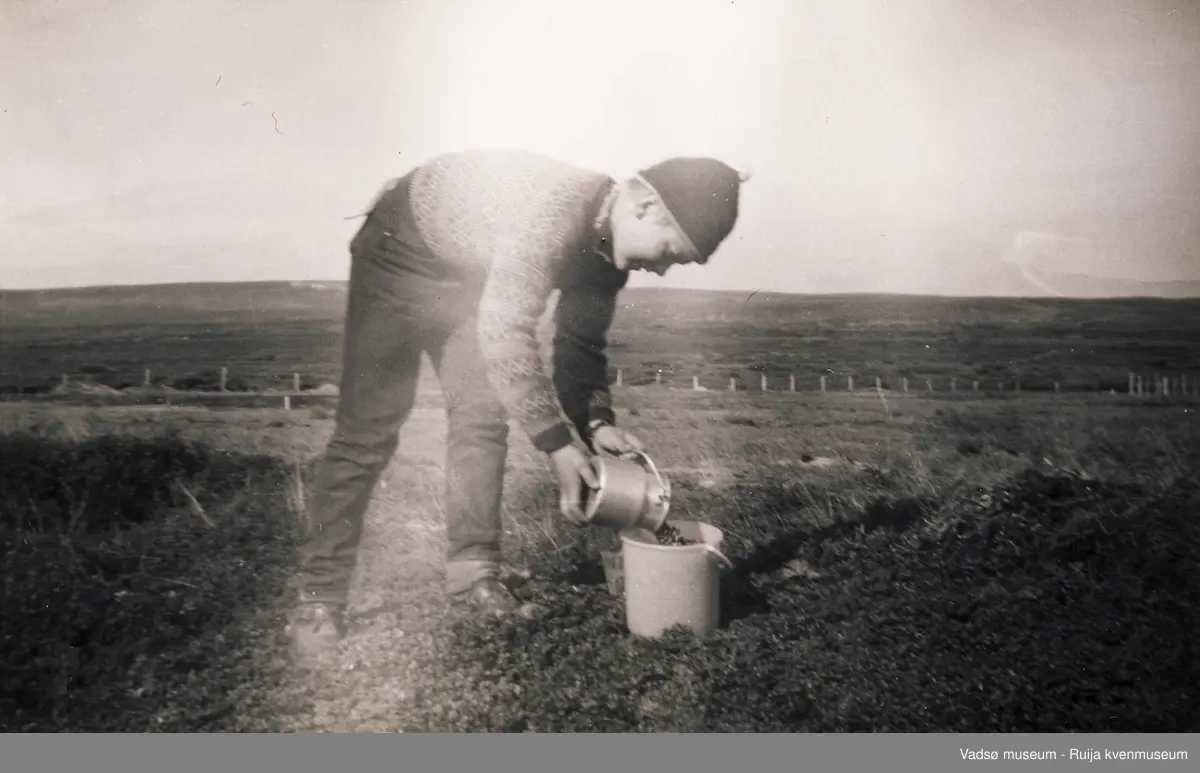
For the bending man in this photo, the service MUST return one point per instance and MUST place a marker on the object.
(458, 259)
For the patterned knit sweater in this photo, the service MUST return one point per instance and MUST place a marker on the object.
(526, 223)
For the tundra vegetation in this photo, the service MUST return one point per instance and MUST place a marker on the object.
(930, 561)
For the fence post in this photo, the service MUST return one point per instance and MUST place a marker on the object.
(929, 385)
(695, 383)
(763, 381)
(1131, 384)
(295, 382)
(658, 377)
(792, 382)
(732, 384)
(224, 377)
(1166, 386)
(287, 403)
(822, 385)
(975, 386)
(850, 384)
(904, 384)
(878, 384)
(618, 377)
(146, 377)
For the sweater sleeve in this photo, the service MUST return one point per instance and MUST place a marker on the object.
(582, 320)
(513, 300)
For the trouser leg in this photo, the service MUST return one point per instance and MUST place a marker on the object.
(476, 453)
(380, 368)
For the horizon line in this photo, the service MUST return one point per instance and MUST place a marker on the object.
(855, 293)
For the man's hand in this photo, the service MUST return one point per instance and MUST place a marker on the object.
(573, 468)
(615, 441)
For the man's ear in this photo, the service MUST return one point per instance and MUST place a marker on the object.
(644, 204)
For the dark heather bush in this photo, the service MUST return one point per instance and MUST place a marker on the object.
(147, 617)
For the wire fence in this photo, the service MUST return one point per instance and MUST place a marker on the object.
(1137, 385)
(284, 387)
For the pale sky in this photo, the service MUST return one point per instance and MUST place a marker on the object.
(903, 146)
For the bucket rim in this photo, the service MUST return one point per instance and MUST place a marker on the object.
(627, 536)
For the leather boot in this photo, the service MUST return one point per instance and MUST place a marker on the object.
(313, 629)
(490, 598)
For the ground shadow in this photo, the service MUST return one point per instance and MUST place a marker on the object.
(743, 595)
(896, 515)
(586, 571)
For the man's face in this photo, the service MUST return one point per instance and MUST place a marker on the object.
(651, 242)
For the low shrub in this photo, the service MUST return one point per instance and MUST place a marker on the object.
(99, 483)
(122, 613)
(1045, 604)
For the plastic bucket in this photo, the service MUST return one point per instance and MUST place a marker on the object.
(670, 585)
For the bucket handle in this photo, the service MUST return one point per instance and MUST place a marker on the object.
(722, 559)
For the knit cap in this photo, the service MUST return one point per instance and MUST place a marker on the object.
(701, 194)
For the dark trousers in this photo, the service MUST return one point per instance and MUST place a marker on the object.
(394, 314)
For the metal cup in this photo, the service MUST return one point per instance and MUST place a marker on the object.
(631, 493)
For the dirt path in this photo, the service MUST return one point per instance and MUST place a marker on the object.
(396, 605)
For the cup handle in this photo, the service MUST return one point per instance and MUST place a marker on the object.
(649, 463)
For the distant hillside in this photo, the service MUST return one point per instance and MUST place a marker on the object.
(1081, 286)
(266, 302)
(174, 304)
(264, 332)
